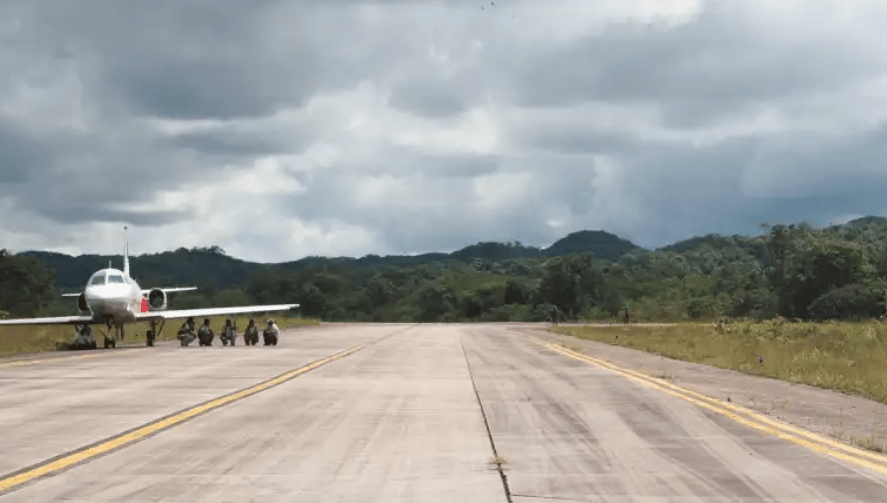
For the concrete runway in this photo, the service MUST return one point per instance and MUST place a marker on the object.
(413, 414)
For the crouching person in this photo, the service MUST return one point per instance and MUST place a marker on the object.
(271, 333)
(205, 334)
(186, 334)
(228, 333)
(251, 334)
(83, 338)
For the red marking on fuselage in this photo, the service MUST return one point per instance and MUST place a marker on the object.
(144, 305)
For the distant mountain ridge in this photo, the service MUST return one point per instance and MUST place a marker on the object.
(209, 265)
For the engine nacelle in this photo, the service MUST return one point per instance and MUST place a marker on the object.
(157, 300)
(81, 303)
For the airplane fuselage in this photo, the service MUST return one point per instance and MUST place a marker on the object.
(113, 296)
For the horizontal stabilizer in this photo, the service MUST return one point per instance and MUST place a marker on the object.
(170, 290)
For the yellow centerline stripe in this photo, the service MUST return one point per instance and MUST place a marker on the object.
(159, 425)
(754, 420)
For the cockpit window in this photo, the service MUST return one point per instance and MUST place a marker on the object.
(98, 279)
(115, 278)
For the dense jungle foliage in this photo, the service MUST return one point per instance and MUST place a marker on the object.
(794, 271)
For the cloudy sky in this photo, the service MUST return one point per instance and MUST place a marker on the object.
(280, 129)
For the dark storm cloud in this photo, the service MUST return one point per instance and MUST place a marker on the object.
(802, 164)
(732, 186)
(682, 191)
(22, 153)
(182, 60)
(222, 60)
(717, 64)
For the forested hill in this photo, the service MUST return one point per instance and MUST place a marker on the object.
(210, 266)
(599, 243)
(794, 271)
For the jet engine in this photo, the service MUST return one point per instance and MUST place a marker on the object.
(81, 303)
(157, 300)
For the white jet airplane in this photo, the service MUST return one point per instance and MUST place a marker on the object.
(111, 297)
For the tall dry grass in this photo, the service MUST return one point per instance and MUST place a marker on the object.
(849, 357)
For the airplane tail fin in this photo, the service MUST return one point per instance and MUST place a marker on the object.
(125, 253)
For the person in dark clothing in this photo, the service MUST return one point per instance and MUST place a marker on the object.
(626, 316)
(186, 333)
(229, 332)
(205, 334)
(251, 334)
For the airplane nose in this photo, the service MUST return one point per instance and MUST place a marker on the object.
(102, 302)
(99, 306)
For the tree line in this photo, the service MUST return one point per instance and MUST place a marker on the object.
(794, 271)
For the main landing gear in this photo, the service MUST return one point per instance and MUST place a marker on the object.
(153, 332)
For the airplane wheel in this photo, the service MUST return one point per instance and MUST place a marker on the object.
(113, 344)
(106, 343)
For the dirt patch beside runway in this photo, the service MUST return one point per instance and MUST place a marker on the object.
(851, 419)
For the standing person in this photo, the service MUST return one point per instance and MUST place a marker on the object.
(251, 334)
(626, 316)
(554, 315)
(205, 334)
(186, 333)
(271, 333)
(228, 333)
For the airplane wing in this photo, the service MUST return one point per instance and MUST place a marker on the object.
(59, 320)
(70, 295)
(169, 290)
(212, 311)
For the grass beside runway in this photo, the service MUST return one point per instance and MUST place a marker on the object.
(36, 338)
(848, 357)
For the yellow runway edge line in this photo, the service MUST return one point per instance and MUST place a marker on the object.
(746, 417)
(159, 425)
